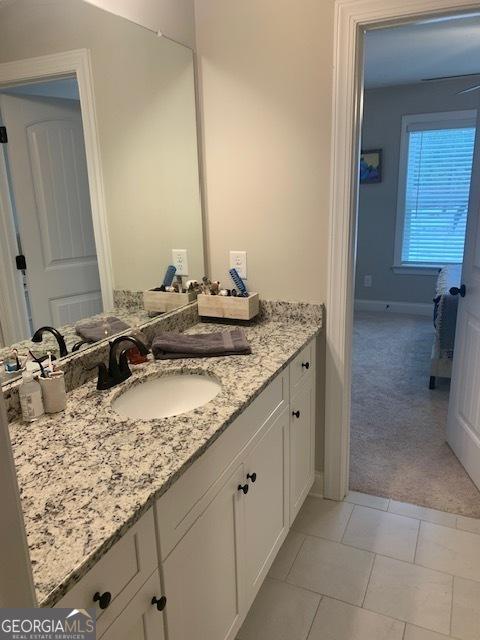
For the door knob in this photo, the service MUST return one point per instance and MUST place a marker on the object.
(296, 414)
(243, 487)
(252, 476)
(306, 365)
(103, 599)
(160, 602)
(462, 290)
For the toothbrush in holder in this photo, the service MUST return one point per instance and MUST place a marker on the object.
(239, 284)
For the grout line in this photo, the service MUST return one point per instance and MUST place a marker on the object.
(348, 522)
(368, 581)
(296, 555)
(416, 542)
(313, 619)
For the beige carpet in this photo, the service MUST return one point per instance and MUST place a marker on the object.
(398, 447)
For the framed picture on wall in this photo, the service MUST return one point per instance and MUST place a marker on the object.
(371, 166)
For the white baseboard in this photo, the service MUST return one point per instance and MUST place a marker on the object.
(317, 487)
(415, 308)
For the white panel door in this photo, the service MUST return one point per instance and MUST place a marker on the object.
(140, 620)
(46, 153)
(302, 445)
(266, 504)
(202, 574)
(463, 427)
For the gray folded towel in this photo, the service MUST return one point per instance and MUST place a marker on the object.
(172, 346)
(95, 330)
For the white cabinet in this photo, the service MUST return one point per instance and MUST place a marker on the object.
(218, 528)
(302, 445)
(141, 619)
(266, 504)
(202, 574)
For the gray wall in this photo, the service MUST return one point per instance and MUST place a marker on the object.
(383, 111)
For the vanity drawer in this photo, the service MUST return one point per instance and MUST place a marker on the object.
(120, 572)
(183, 503)
(301, 368)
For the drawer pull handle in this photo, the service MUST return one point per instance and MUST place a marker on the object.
(243, 487)
(296, 414)
(252, 476)
(306, 365)
(160, 602)
(103, 599)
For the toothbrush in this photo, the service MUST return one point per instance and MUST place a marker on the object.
(169, 275)
(238, 282)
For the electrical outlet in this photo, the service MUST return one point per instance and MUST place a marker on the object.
(367, 281)
(180, 261)
(238, 261)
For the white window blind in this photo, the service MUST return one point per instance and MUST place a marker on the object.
(439, 167)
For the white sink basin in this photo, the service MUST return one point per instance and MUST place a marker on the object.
(166, 396)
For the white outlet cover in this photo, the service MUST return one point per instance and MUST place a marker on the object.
(238, 261)
(180, 261)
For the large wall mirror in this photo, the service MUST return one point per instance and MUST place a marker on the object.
(99, 176)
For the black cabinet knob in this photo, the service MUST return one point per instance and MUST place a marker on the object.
(306, 365)
(243, 487)
(462, 290)
(103, 599)
(252, 476)
(160, 602)
(296, 414)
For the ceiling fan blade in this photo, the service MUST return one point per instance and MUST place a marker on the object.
(475, 87)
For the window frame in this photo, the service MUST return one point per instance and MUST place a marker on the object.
(421, 122)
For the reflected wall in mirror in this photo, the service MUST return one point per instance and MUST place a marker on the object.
(99, 178)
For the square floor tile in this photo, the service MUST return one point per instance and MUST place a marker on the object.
(468, 524)
(466, 609)
(280, 612)
(381, 532)
(415, 633)
(332, 569)
(324, 518)
(411, 593)
(366, 500)
(287, 554)
(450, 550)
(339, 621)
(423, 513)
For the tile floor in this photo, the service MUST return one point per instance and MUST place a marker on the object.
(371, 568)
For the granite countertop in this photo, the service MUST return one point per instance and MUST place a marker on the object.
(87, 474)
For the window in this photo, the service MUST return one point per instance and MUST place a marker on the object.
(434, 184)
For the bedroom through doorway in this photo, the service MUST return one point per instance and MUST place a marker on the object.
(418, 141)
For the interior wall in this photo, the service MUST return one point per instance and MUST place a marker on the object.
(174, 18)
(382, 121)
(265, 70)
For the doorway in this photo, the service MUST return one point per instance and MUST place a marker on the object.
(49, 202)
(352, 20)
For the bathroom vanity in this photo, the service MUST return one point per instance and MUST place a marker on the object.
(169, 526)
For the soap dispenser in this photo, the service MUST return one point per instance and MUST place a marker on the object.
(30, 394)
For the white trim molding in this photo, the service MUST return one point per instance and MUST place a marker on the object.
(390, 306)
(78, 62)
(352, 18)
(317, 488)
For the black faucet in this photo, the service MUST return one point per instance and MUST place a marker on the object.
(38, 335)
(118, 370)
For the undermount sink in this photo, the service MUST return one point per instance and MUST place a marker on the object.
(166, 396)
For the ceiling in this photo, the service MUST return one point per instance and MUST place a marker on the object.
(434, 48)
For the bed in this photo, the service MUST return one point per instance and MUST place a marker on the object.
(444, 321)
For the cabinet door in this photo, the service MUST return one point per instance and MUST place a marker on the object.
(302, 446)
(266, 504)
(202, 573)
(140, 620)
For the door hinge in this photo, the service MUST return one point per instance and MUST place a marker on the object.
(3, 135)
(21, 262)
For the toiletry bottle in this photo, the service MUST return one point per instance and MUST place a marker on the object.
(30, 394)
